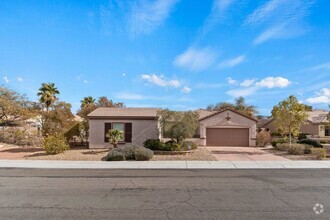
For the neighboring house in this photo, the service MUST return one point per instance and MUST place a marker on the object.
(315, 124)
(138, 124)
(223, 128)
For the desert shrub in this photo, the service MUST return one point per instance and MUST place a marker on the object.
(154, 144)
(263, 138)
(308, 149)
(115, 155)
(323, 142)
(185, 144)
(55, 144)
(279, 141)
(142, 153)
(127, 151)
(297, 149)
(20, 136)
(319, 153)
(282, 146)
(302, 136)
(310, 142)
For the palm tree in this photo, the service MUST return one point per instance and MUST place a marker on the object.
(114, 136)
(86, 101)
(47, 94)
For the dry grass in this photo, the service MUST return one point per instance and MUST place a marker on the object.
(98, 154)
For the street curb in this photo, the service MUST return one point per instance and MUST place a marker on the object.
(49, 164)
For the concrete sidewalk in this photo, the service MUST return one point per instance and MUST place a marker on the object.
(40, 164)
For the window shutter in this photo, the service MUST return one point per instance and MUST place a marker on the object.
(107, 127)
(128, 132)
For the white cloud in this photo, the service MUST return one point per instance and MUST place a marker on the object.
(232, 62)
(274, 82)
(195, 59)
(242, 92)
(19, 79)
(218, 10)
(264, 11)
(322, 97)
(247, 83)
(186, 89)
(124, 74)
(85, 81)
(146, 16)
(324, 66)
(274, 32)
(160, 80)
(280, 19)
(5, 78)
(231, 81)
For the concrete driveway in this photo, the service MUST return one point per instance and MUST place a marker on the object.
(242, 154)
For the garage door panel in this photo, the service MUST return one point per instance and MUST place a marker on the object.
(227, 137)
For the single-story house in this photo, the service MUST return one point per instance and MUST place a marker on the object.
(315, 124)
(223, 128)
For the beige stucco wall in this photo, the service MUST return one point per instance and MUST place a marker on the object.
(141, 130)
(312, 129)
(236, 121)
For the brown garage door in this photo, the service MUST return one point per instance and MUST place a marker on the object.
(227, 137)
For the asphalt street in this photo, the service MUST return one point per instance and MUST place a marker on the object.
(164, 194)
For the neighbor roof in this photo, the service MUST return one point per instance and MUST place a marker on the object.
(316, 117)
(203, 113)
(124, 113)
(237, 112)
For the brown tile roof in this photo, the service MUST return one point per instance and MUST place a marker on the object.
(124, 112)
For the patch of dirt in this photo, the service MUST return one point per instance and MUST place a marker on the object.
(290, 156)
(198, 154)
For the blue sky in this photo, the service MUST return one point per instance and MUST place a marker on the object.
(177, 54)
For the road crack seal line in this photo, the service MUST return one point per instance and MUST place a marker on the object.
(282, 200)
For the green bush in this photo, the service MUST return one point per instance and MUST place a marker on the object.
(319, 153)
(279, 141)
(154, 144)
(115, 155)
(282, 146)
(297, 149)
(185, 144)
(142, 153)
(263, 138)
(302, 136)
(310, 142)
(308, 149)
(172, 146)
(55, 144)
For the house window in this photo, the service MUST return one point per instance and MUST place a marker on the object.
(327, 131)
(120, 127)
(125, 127)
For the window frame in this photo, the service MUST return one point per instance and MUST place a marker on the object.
(327, 131)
